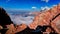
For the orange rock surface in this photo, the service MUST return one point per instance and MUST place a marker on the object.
(56, 21)
(45, 17)
(34, 24)
(21, 27)
(11, 29)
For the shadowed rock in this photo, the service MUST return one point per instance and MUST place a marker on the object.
(4, 18)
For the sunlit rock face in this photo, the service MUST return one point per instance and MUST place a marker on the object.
(57, 22)
(20, 28)
(46, 17)
(34, 24)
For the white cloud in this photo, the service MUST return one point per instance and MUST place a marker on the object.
(46, 7)
(54, 5)
(18, 19)
(45, 0)
(34, 7)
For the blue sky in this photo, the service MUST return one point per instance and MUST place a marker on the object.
(27, 4)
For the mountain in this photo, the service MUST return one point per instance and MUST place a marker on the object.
(46, 18)
(4, 20)
(47, 21)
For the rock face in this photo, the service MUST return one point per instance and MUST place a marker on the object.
(54, 24)
(46, 17)
(4, 18)
(11, 29)
(20, 28)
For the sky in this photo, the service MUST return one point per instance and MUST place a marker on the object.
(27, 4)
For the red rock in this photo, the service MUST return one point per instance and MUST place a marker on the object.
(34, 24)
(54, 11)
(55, 24)
(20, 28)
(45, 17)
(11, 29)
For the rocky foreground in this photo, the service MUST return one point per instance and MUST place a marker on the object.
(49, 19)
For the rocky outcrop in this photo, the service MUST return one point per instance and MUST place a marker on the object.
(4, 18)
(46, 17)
(56, 21)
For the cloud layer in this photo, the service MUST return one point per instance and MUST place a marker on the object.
(17, 19)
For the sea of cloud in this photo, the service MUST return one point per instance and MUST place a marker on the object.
(18, 19)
